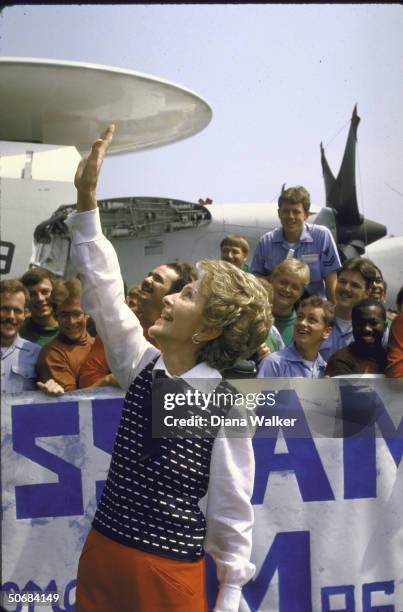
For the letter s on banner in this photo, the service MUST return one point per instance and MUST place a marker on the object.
(63, 498)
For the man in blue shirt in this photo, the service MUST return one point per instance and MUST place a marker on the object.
(354, 284)
(18, 356)
(301, 359)
(312, 244)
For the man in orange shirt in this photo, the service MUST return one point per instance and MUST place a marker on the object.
(62, 358)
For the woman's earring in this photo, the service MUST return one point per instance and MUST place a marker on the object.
(195, 340)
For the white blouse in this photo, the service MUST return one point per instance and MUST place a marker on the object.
(229, 513)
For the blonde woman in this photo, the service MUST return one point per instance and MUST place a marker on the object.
(145, 551)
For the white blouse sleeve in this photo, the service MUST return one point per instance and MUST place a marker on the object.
(229, 517)
(126, 349)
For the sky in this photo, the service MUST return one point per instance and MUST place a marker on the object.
(279, 79)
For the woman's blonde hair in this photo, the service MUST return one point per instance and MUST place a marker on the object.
(237, 303)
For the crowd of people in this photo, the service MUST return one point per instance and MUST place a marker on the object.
(45, 334)
(298, 311)
(47, 337)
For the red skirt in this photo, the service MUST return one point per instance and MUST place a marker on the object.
(117, 578)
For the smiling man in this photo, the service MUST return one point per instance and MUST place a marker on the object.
(41, 326)
(147, 305)
(365, 355)
(288, 280)
(163, 280)
(62, 358)
(235, 250)
(302, 359)
(312, 244)
(354, 284)
(18, 356)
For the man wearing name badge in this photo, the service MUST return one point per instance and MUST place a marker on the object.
(312, 244)
(302, 359)
(354, 284)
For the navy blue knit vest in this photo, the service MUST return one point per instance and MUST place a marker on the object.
(150, 499)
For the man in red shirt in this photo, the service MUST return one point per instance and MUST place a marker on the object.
(63, 357)
(395, 347)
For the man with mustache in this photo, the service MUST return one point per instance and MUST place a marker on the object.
(18, 356)
(354, 283)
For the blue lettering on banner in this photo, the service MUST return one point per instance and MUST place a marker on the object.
(362, 409)
(289, 555)
(68, 606)
(65, 497)
(11, 587)
(386, 587)
(347, 590)
(105, 423)
(302, 459)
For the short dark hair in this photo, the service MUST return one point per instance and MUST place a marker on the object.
(236, 241)
(295, 195)
(317, 302)
(399, 297)
(186, 274)
(35, 275)
(361, 265)
(370, 301)
(12, 285)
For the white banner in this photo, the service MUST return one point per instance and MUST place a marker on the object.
(328, 504)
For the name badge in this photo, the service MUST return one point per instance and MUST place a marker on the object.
(310, 257)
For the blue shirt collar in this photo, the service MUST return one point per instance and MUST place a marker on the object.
(292, 354)
(278, 235)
